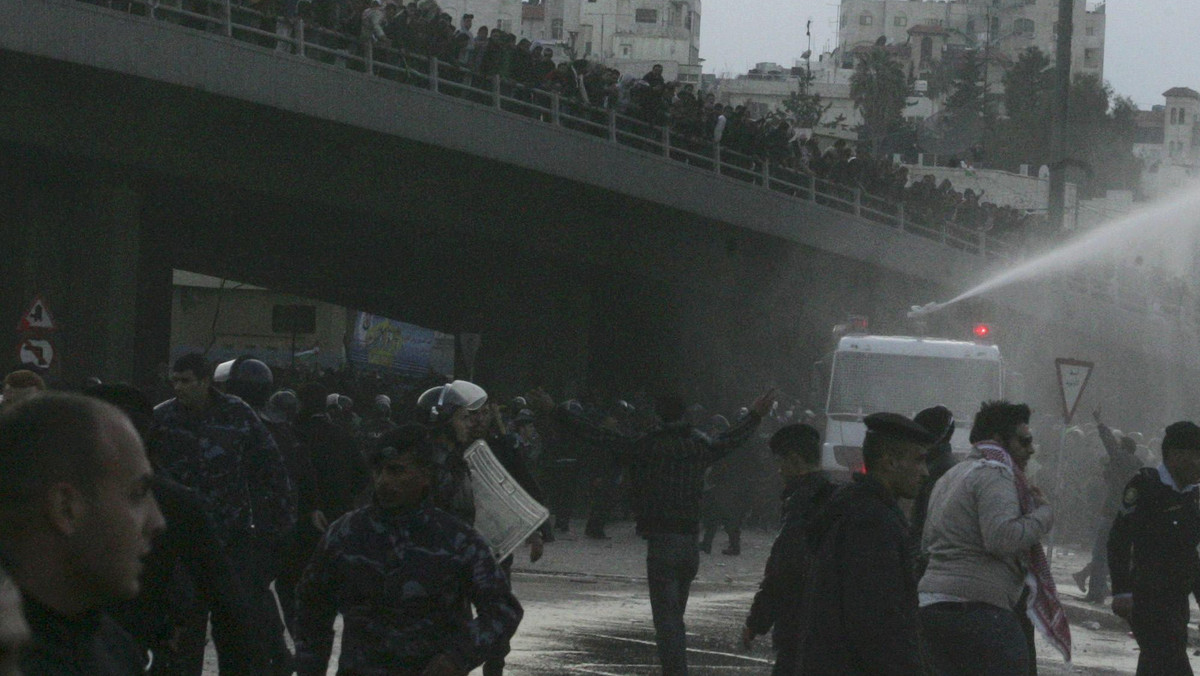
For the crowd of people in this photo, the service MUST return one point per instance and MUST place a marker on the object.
(131, 528)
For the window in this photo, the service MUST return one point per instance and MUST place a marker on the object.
(1091, 31)
(994, 26)
(866, 20)
(1023, 27)
(1174, 115)
(845, 20)
(556, 26)
(587, 48)
(646, 16)
(900, 20)
(971, 26)
(504, 25)
(626, 50)
(1091, 57)
(1030, 2)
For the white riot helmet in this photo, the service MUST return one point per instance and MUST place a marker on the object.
(441, 402)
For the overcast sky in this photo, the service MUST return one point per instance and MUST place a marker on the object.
(1151, 45)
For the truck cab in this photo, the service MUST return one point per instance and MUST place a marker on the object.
(868, 374)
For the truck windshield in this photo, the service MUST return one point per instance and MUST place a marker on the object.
(866, 382)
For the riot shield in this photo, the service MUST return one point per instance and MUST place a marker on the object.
(504, 513)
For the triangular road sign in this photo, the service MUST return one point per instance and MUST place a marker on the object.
(1073, 378)
(37, 317)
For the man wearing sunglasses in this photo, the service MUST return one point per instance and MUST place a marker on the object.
(986, 566)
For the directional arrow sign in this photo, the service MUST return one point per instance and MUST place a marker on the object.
(36, 352)
(1073, 378)
(36, 317)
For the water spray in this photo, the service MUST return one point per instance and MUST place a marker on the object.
(919, 311)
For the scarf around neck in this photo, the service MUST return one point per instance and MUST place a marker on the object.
(1043, 606)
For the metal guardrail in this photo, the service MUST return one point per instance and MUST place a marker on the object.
(238, 22)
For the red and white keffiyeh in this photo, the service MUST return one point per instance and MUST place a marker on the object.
(1043, 606)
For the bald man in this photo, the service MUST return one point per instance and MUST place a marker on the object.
(77, 514)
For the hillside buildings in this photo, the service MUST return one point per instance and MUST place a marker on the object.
(629, 35)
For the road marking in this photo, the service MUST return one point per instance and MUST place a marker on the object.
(690, 650)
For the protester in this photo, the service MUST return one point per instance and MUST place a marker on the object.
(860, 604)
(14, 629)
(1122, 464)
(1152, 553)
(215, 444)
(402, 573)
(667, 468)
(19, 386)
(777, 605)
(78, 515)
(987, 569)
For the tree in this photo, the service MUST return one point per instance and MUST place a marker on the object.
(879, 90)
(805, 106)
(1100, 127)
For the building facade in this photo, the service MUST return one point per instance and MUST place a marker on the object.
(629, 35)
(1001, 29)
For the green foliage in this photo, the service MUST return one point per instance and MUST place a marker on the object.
(879, 90)
(1100, 126)
(805, 106)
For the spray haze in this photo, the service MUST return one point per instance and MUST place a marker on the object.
(1164, 231)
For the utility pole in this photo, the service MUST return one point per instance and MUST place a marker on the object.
(1062, 106)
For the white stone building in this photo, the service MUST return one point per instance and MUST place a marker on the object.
(502, 14)
(629, 35)
(1002, 29)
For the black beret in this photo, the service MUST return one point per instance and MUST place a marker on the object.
(938, 420)
(796, 435)
(896, 426)
(1183, 435)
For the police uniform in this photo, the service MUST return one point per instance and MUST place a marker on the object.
(1152, 555)
(402, 581)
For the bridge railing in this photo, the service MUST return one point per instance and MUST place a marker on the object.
(236, 21)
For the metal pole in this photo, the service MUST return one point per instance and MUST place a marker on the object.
(1062, 107)
(1058, 481)
(227, 8)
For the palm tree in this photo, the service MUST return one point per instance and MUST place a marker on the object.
(879, 90)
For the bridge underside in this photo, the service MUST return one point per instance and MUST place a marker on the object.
(108, 181)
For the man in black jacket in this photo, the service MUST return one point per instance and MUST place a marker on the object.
(1152, 553)
(860, 604)
(77, 514)
(777, 606)
(940, 422)
(666, 467)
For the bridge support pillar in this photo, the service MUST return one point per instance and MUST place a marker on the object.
(80, 245)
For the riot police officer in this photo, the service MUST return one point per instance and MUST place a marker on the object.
(1152, 553)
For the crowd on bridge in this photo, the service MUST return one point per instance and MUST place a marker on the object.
(130, 527)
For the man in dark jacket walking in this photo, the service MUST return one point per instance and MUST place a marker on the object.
(666, 467)
(860, 604)
(777, 604)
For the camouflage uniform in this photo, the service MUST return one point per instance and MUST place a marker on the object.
(402, 582)
(227, 456)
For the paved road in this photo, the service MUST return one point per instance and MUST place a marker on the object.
(579, 625)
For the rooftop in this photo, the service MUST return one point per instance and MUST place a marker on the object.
(1181, 93)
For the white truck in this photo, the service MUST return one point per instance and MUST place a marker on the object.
(868, 374)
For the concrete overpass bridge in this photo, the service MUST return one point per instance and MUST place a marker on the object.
(588, 250)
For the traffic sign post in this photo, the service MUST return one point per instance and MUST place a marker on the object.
(1073, 377)
(37, 317)
(37, 353)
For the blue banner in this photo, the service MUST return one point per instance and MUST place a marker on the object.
(385, 344)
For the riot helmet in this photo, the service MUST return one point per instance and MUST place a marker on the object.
(283, 406)
(247, 378)
(439, 403)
